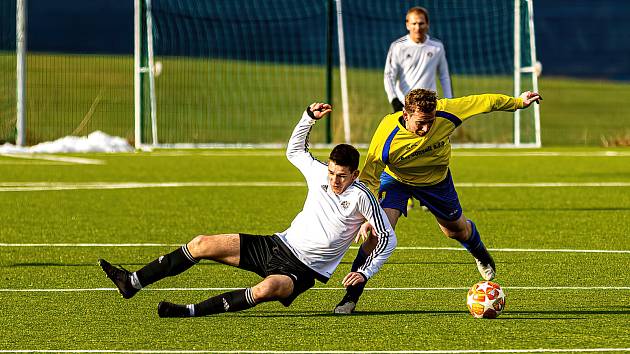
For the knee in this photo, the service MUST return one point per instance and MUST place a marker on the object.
(272, 290)
(200, 246)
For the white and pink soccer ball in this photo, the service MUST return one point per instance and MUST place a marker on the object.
(485, 299)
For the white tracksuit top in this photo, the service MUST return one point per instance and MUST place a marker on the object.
(410, 65)
(323, 231)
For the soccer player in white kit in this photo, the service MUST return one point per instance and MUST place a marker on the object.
(336, 206)
(413, 61)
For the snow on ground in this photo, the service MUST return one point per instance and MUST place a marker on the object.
(94, 142)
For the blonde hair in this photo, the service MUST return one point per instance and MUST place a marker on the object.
(418, 10)
(420, 100)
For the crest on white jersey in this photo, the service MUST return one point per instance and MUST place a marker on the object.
(345, 204)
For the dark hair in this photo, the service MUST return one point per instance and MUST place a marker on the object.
(420, 100)
(345, 155)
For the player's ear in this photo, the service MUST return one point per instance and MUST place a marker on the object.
(355, 174)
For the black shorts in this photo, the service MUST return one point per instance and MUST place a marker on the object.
(267, 255)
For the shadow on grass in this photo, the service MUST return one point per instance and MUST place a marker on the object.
(554, 209)
(91, 264)
(202, 264)
(508, 316)
(355, 314)
(390, 262)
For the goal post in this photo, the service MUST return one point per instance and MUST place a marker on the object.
(490, 47)
(237, 72)
(233, 73)
(524, 35)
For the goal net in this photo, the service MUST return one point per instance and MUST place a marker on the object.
(7, 72)
(227, 72)
(488, 48)
(240, 72)
(233, 72)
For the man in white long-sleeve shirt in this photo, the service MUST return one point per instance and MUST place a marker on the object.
(413, 61)
(311, 248)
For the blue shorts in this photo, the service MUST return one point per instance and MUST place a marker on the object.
(441, 199)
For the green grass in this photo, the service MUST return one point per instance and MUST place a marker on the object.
(206, 100)
(589, 218)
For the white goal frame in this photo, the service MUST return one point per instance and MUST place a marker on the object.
(519, 70)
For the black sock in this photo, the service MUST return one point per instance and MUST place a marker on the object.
(353, 292)
(166, 266)
(232, 301)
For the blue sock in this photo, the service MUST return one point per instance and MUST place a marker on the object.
(475, 239)
(475, 246)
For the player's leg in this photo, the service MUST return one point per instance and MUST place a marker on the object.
(221, 248)
(285, 277)
(394, 197)
(353, 292)
(442, 201)
(273, 287)
(465, 231)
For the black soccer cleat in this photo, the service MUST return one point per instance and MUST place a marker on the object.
(120, 277)
(168, 309)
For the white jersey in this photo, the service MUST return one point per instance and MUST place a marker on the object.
(410, 65)
(322, 232)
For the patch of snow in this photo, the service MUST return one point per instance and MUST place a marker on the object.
(94, 142)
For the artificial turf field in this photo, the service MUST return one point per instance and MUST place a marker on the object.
(557, 220)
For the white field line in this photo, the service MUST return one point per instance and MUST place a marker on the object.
(57, 186)
(52, 186)
(559, 288)
(32, 163)
(65, 159)
(401, 248)
(446, 351)
(281, 153)
(542, 184)
(543, 153)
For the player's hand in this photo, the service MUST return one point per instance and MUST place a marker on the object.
(365, 231)
(530, 97)
(353, 278)
(319, 110)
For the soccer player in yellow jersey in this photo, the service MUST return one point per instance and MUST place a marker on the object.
(409, 157)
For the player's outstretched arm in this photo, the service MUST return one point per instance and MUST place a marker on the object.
(530, 97)
(297, 147)
(318, 110)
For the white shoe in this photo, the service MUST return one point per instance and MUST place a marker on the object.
(345, 309)
(486, 270)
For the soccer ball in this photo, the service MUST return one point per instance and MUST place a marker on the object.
(485, 299)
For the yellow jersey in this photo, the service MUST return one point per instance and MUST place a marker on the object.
(423, 161)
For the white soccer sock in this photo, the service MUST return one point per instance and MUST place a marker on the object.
(191, 308)
(135, 282)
